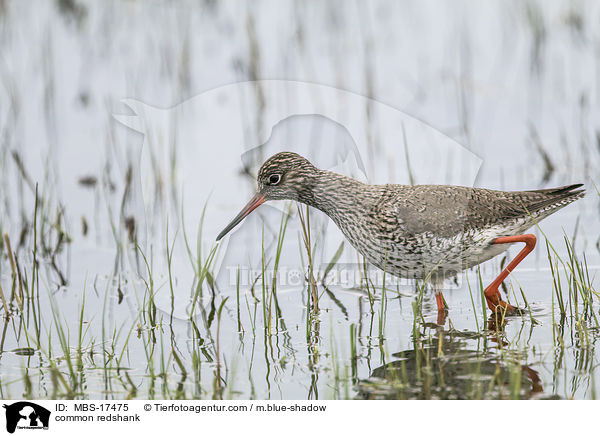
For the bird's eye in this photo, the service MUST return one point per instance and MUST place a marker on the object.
(274, 179)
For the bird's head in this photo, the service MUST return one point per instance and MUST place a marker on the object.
(284, 176)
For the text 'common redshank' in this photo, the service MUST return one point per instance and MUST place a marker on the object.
(427, 232)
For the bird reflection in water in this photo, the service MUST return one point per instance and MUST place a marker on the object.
(451, 364)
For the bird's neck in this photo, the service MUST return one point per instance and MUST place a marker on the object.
(336, 195)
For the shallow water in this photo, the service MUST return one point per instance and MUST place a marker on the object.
(512, 88)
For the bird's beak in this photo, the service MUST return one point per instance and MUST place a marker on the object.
(256, 201)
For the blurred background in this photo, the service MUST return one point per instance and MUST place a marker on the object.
(513, 85)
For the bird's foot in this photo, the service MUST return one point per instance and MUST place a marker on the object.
(510, 310)
(503, 308)
(499, 306)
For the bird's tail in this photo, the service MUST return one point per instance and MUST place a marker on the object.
(548, 201)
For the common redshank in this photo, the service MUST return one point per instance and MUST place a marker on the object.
(429, 232)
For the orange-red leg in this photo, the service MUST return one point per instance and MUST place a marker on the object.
(441, 307)
(439, 299)
(492, 294)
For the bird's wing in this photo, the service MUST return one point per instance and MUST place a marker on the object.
(443, 212)
(450, 210)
